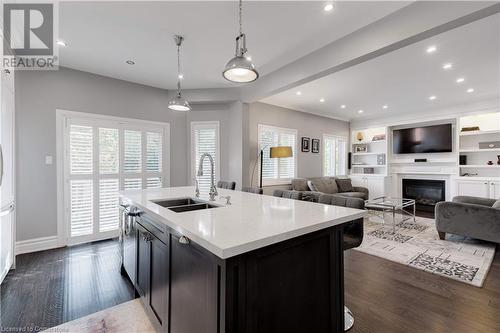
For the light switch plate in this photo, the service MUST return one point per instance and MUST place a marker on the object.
(48, 159)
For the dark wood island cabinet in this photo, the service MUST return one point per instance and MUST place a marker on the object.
(292, 286)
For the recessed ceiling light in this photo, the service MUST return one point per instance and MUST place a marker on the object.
(322, 100)
(432, 97)
(448, 65)
(470, 90)
(460, 80)
(431, 49)
(130, 62)
(299, 93)
(360, 111)
(343, 106)
(180, 76)
(328, 7)
(385, 106)
(61, 43)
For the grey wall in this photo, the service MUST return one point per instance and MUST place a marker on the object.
(39, 94)
(308, 125)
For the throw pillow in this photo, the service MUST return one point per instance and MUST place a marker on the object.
(344, 185)
(311, 186)
(496, 204)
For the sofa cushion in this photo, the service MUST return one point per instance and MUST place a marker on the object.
(496, 204)
(299, 184)
(360, 195)
(344, 185)
(324, 185)
(311, 186)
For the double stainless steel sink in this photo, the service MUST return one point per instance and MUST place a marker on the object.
(180, 205)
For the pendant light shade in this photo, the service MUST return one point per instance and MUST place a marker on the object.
(178, 103)
(240, 68)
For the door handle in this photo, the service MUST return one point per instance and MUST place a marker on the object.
(7, 209)
(184, 240)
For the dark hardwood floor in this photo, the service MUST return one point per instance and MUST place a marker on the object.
(52, 287)
(389, 297)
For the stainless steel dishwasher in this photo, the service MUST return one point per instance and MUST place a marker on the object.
(128, 239)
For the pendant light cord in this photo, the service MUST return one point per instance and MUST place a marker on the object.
(241, 15)
(178, 69)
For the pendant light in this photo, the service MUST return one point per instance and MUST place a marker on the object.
(177, 103)
(240, 69)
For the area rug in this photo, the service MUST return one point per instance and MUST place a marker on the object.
(125, 317)
(417, 244)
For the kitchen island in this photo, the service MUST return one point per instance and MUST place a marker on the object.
(259, 264)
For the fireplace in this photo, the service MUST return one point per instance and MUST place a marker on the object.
(427, 193)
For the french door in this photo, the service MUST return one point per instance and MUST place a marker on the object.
(103, 157)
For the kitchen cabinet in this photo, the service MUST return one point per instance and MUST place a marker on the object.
(152, 282)
(194, 286)
(376, 185)
(483, 188)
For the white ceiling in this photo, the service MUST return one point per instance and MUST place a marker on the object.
(404, 79)
(101, 36)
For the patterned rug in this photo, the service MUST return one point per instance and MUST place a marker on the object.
(417, 244)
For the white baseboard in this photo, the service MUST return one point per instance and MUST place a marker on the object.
(37, 244)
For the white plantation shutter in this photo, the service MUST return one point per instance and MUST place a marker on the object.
(205, 139)
(153, 151)
(133, 151)
(81, 150)
(277, 168)
(108, 151)
(334, 155)
(82, 207)
(108, 204)
(132, 183)
(102, 160)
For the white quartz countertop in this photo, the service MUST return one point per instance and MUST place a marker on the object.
(251, 221)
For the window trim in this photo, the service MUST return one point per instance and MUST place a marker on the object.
(278, 181)
(63, 120)
(337, 137)
(205, 124)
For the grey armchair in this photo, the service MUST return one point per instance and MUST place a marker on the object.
(469, 216)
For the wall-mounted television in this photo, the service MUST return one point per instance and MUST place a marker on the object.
(426, 139)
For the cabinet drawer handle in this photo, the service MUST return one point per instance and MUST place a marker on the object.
(184, 240)
(147, 237)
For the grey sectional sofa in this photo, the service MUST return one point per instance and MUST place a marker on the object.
(469, 216)
(329, 185)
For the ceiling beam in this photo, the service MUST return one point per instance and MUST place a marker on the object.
(411, 24)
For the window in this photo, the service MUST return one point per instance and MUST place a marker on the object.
(334, 155)
(205, 139)
(104, 155)
(277, 170)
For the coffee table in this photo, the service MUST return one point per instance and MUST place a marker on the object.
(392, 205)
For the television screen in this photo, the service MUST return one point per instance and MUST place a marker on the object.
(428, 139)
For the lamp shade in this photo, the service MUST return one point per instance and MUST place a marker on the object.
(281, 151)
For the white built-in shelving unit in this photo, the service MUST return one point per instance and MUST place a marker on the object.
(470, 141)
(375, 156)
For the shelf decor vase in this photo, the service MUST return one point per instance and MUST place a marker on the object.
(359, 136)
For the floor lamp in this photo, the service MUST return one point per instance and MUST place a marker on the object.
(274, 152)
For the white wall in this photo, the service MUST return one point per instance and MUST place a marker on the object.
(308, 164)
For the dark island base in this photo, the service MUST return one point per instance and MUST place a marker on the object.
(292, 286)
